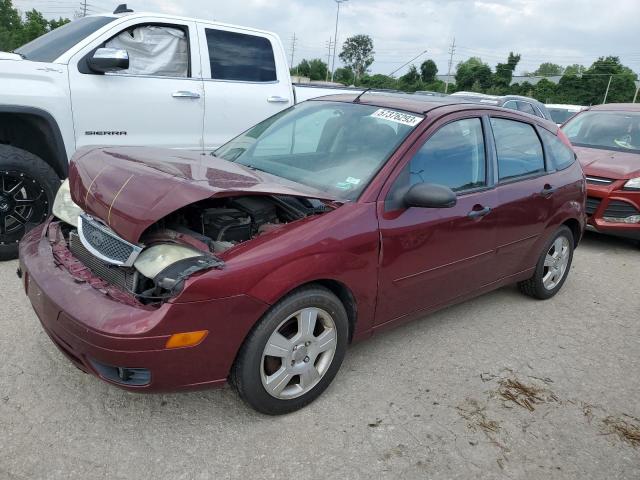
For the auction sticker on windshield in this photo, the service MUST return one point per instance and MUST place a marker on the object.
(397, 117)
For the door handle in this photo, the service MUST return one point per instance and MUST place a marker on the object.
(548, 190)
(277, 99)
(479, 213)
(185, 94)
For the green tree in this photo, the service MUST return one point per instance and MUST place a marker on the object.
(318, 69)
(357, 54)
(504, 71)
(14, 31)
(473, 71)
(548, 69)
(574, 69)
(545, 91)
(379, 81)
(344, 75)
(428, 71)
(596, 78)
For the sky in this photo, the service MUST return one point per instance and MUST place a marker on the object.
(559, 31)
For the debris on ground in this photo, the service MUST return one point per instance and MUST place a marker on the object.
(625, 427)
(526, 396)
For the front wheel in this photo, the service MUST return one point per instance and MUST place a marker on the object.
(552, 267)
(27, 190)
(294, 353)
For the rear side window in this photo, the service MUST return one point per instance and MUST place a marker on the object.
(518, 147)
(240, 57)
(526, 107)
(561, 155)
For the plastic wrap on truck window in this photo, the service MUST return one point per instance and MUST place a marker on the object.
(153, 50)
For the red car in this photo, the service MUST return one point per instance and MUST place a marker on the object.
(322, 225)
(607, 141)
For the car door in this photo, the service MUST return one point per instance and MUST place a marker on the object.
(155, 102)
(245, 81)
(525, 192)
(430, 256)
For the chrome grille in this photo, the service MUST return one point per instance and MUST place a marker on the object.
(105, 244)
(599, 180)
(122, 277)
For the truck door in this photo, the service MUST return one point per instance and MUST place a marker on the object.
(158, 101)
(246, 80)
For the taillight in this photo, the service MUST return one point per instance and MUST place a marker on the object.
(564, 139)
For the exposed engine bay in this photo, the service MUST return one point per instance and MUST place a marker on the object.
(181, 244)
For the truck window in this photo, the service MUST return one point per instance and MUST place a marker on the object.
(240, 57)
(51, 45)
(154, 50)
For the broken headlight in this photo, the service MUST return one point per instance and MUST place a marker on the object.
(63, 206)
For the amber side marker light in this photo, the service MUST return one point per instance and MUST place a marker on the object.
(187, 339)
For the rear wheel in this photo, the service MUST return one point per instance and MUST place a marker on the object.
(294, 352)
(552, 267)
(27, 190)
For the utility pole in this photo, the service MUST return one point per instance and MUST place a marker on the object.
(636, 94)
(335, 39)
(329, 47)
(607, 91)
(83, 4)
(452, 50)
(293, 47)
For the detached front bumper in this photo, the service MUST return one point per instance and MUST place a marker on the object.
(613, 210)
(124, 344)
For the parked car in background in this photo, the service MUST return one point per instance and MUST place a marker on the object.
(561, 113)
(335, 219)
(128, 79)
(513, 102)
(607, 141)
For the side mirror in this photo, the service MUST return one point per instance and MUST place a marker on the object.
(108, 60)
(430, 195)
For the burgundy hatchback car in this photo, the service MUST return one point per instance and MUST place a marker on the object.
(333, 220)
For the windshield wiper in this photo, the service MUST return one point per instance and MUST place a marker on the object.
(22, 55)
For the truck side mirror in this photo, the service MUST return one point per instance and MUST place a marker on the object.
(106, 60)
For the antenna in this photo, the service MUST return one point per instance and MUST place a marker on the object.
(122, 8)
(357, 99)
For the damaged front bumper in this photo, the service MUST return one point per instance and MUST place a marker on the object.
(107, 332)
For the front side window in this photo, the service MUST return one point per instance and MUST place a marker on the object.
(154, 50)
(240, 57)
(454, 156)
(518, 148)
(606, 130)
(561, 155)
(334, 147)
(51, 45)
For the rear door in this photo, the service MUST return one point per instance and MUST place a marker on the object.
(525, 192)
(430, 256)
(246, 80)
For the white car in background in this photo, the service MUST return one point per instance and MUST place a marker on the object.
(561, 113)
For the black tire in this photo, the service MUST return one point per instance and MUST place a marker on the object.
(534, 287)
(246, 371)
(27, 189)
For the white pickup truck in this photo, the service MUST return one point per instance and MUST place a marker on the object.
(128, 79)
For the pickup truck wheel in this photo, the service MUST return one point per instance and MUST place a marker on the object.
(294, 352)
(27, 190)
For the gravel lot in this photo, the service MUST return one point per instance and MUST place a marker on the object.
(437, 398)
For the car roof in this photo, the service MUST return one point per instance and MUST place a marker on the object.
(421, 104)
(617, 107)
(563, 106)
(399, 101)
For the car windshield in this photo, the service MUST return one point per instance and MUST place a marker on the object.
(51, 45)
(334, 147)
(560, 115)
(607, 130)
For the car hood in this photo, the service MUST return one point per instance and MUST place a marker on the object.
(608, 163)
(9, 56)
(131, 188)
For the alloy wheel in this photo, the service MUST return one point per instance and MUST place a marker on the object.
(298, 353)
(23, 202)
(556, 262)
